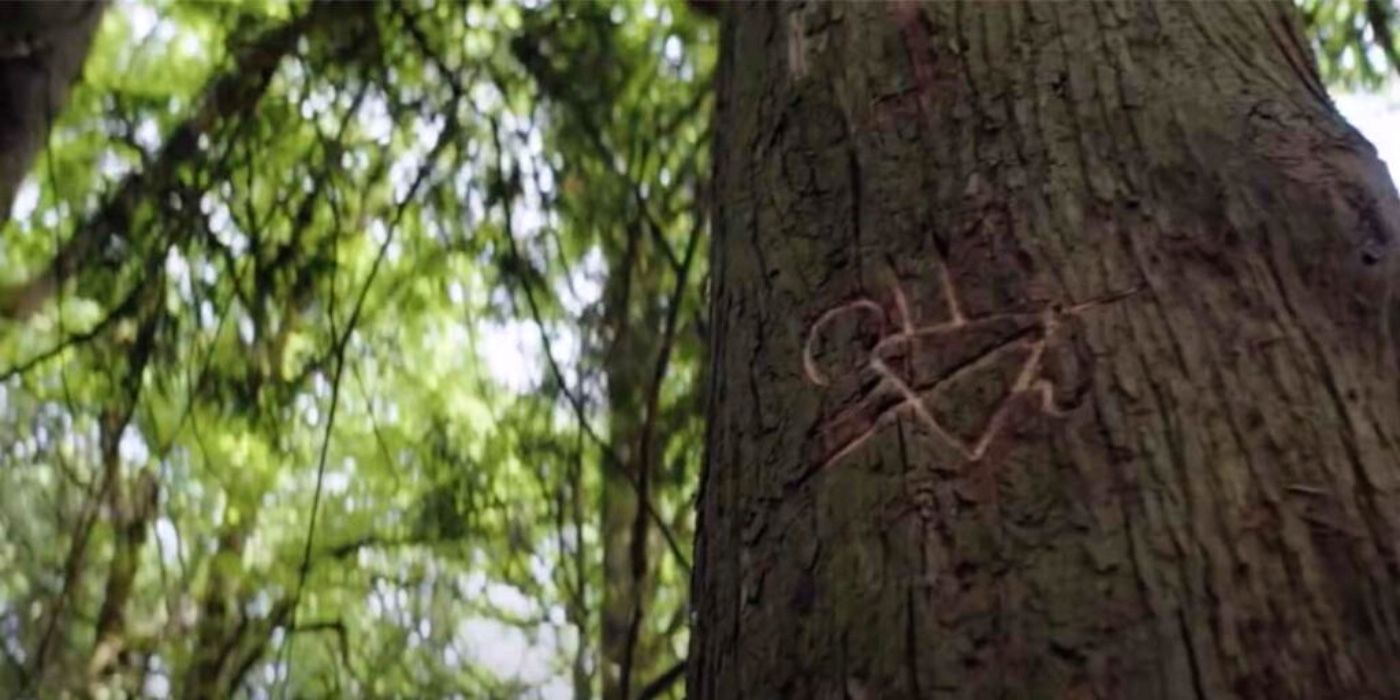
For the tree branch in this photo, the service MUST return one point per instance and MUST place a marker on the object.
(522, 272)
(234, 92)
(663, 682)
(448, 133)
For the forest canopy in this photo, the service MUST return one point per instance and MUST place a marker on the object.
(355, 349)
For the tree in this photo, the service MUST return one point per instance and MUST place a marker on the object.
(648, 237)
(253, 445)
(254, 436)
(1053, 355)
(42, 47)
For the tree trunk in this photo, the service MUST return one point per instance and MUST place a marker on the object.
(1053, 356)
(42, 48)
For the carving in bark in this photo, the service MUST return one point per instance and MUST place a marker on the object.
(1053, 355)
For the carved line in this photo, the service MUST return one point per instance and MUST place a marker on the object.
(911, 398)
(809, 365)
(909, 331)
(954, 309)
(906, 320)
(1027, 380)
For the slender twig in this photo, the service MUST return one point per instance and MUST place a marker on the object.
(663, 359)
(610, 457)
(120, 311)
(341, 343)
(113, 423)
(230, 93)
(1379, 16)
(663, 682)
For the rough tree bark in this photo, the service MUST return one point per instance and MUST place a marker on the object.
(42, 48)
(1053, 356)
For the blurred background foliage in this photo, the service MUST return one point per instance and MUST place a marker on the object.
(1354, 40)
(360, 350)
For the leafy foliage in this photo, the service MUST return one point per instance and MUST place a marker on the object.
(1355, 40)
(256, 446)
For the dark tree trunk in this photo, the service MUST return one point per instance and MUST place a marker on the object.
(1053, 357)
(42, 48)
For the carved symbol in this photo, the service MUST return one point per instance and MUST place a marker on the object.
(940, 353)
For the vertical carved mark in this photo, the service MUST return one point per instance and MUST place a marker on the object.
(901, 305)
(915, 31)
(797, 49)
(951, 298)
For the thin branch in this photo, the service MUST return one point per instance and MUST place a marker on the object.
(448, 132)
(337, 627)
(663, 682)
(120, 311)
(114, 422)
(524, 271)
(663, 360)
(1379, 16)
(237, 90)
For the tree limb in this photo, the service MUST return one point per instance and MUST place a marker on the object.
(234, 92)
